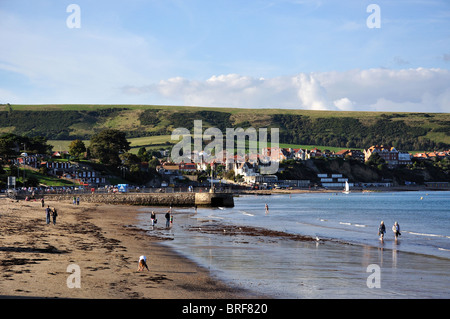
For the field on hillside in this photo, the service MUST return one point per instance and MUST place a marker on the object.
(149, 142)
(160, 142)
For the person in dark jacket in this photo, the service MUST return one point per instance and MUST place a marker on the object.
(47, 214)
(167, 219)
(381, 230)
(54, 214)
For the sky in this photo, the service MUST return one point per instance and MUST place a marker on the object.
(291, 54)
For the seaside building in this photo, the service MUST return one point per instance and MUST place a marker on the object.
(260, 179)
(245, 169)
(187, 167)
(389, 154)
(333, 180)
(432, 155)
(297, 183)
(355, 154)
(315, 152)
(75, 172)
(299, 154)
(273, 154)
(404, 158)
(437, 185)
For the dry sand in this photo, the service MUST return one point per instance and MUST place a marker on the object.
(100, 239)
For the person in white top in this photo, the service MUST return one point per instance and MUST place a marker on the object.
(142, 263)
(396, 230)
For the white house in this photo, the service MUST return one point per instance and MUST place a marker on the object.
(244, 169)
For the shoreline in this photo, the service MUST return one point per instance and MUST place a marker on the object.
(105, 243)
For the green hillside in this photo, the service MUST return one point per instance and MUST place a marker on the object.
(146, 124)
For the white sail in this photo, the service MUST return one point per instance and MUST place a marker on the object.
(346, 188)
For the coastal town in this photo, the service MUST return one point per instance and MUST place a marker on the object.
(231, 171)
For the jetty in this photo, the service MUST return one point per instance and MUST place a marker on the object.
(183, 199)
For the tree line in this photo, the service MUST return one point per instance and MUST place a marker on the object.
(108, 152)
(351, 133)
(345, 132)
(55, 125)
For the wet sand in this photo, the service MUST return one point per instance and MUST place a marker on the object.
(290, 266)
(102, 241)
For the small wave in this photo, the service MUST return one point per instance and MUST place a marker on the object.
(444, 249)
(427, 235)
(248, 214)
(350, 224)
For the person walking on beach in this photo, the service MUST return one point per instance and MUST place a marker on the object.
(153, 218)
(396, 230)
(167, 219)
(47, 213)
(54, 214)
(381, 230)
(267, 209)
(42, 202)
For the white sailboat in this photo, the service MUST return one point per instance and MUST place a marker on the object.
(346, 188)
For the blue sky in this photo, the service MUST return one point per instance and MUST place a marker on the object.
(304, 54)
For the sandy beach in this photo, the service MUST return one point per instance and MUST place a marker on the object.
(37, 260)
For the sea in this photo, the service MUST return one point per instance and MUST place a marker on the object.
(344, 257)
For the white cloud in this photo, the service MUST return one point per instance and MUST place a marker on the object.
(311, 93)
(405, 90)
(344, 104)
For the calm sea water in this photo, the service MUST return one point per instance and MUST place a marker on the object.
(335, 266)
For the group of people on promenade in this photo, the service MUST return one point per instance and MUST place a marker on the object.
(382, 230)
(168, 216)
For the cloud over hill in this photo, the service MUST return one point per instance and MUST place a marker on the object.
(404, 90)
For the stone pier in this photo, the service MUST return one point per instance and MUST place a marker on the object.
(153, 199)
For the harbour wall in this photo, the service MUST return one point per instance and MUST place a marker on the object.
(152, 199)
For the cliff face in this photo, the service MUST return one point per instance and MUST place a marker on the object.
(355, 171)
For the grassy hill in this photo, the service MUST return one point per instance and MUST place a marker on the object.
(151, 125)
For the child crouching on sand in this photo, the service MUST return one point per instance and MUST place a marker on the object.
(142, 263)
